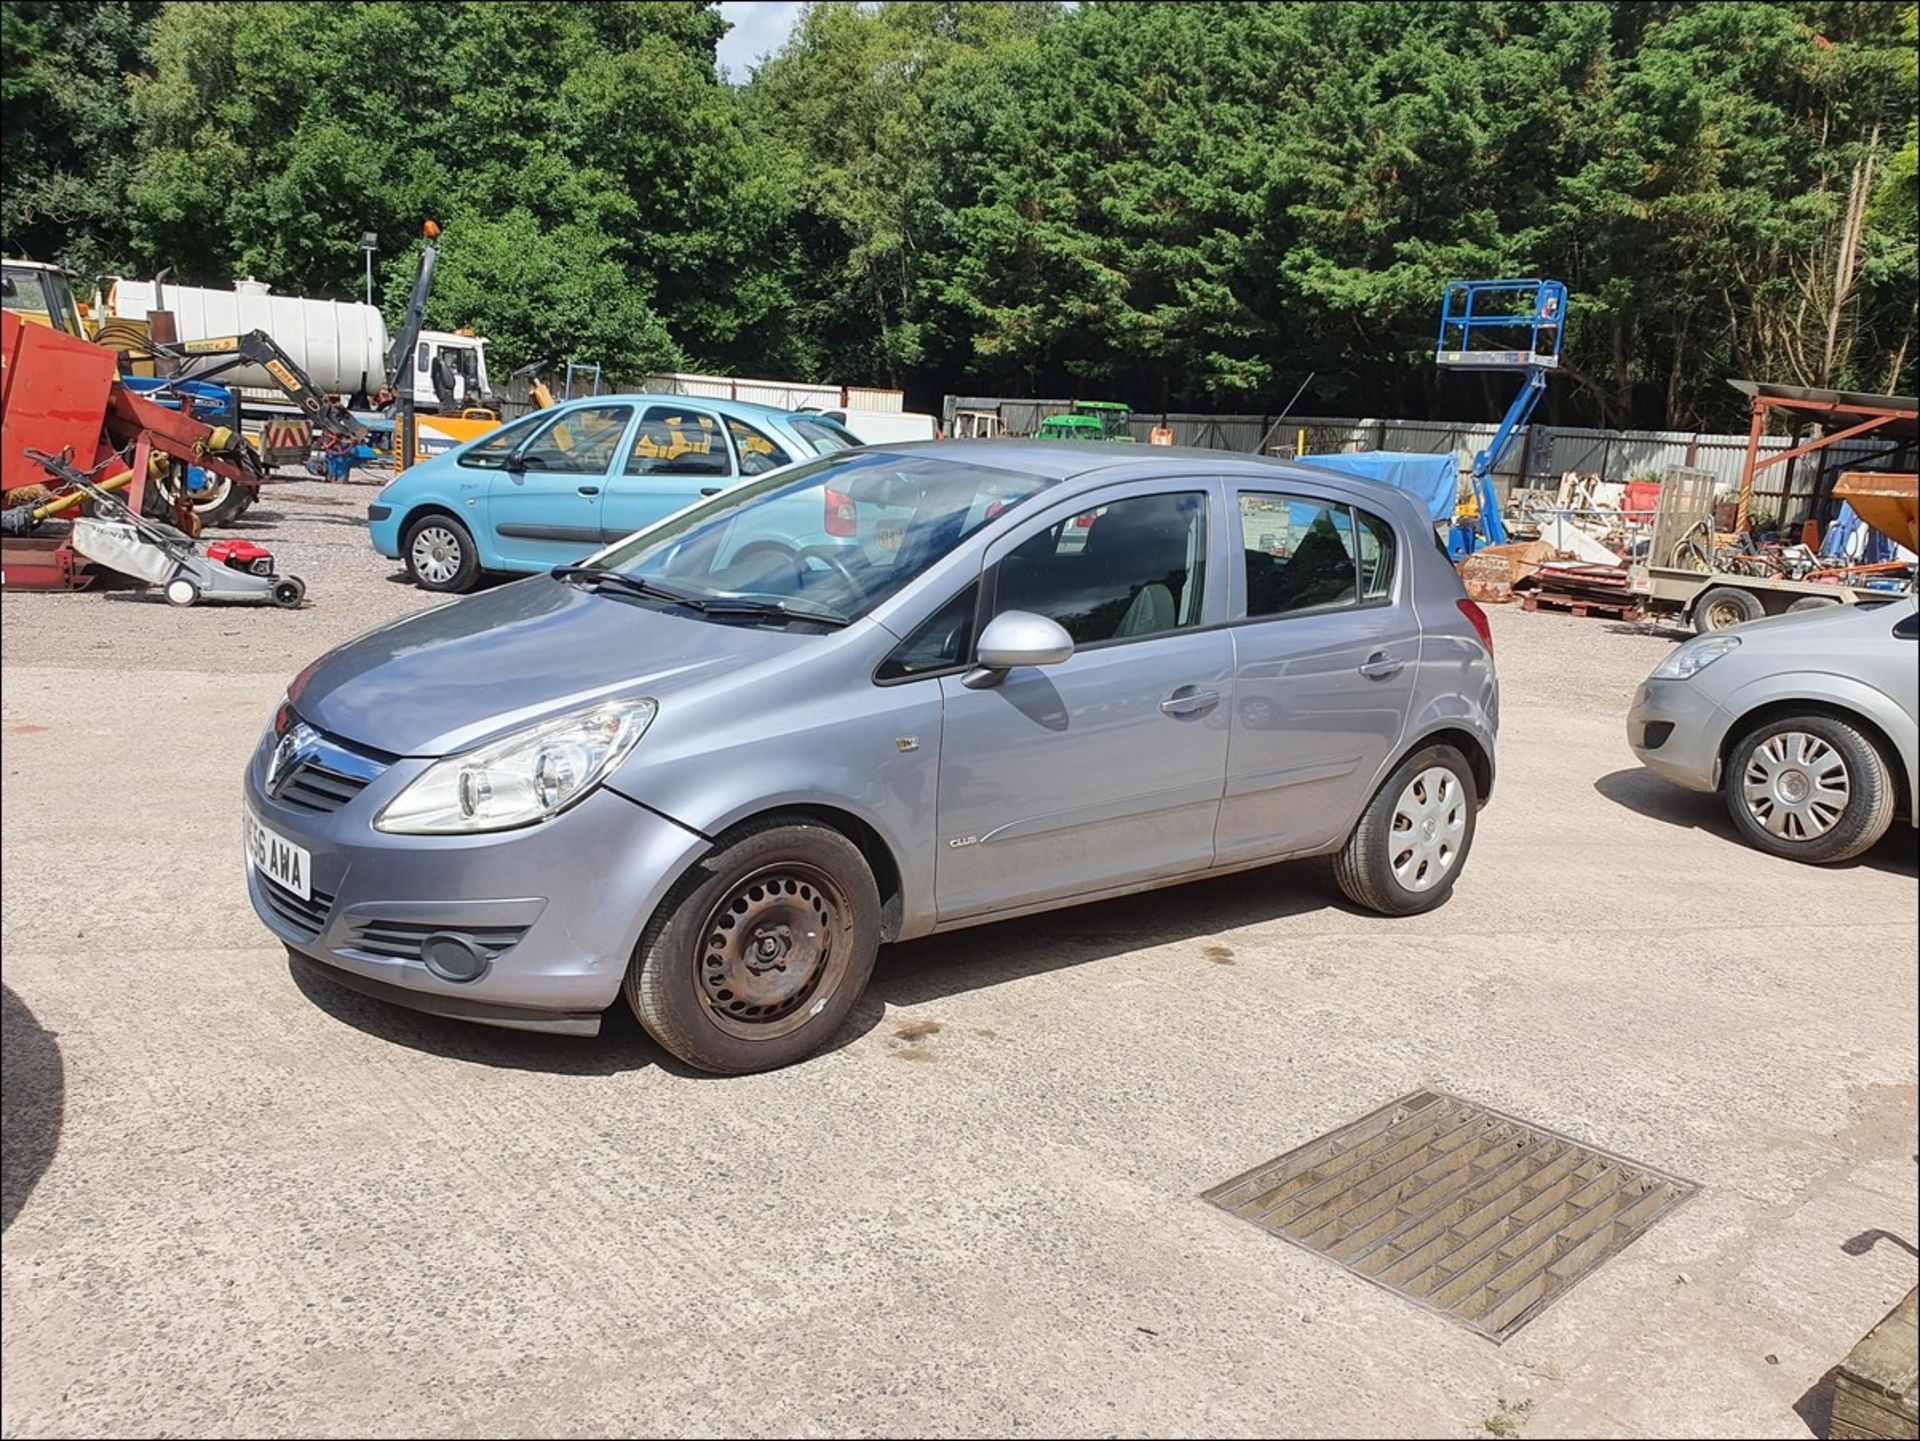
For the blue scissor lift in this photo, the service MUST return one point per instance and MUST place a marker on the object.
(1499, 325)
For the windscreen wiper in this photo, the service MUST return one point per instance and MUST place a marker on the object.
(774, 610)
(633, 584)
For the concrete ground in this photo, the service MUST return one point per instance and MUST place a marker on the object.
(243, 1201)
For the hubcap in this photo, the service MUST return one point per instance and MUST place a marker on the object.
(436, 554)
(1796, 786)
(768, 948)
(1429, 821)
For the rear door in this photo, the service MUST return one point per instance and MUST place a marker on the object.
(1104, 770)
(678, 454)
(1326, 647)
(544, 508)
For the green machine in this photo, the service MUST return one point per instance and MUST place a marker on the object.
(1089, 420)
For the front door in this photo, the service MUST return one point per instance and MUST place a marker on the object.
(544, 509)
(678, 454)
(1326, 649)
(1105, 770)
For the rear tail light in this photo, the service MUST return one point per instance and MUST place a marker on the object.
(1477, 618)
(843, 517)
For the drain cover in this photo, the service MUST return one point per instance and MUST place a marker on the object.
(1486, 1219)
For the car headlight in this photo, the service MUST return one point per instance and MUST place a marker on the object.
(522, 778)
(1695, 656)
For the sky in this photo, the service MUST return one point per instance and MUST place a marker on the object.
(759, 27)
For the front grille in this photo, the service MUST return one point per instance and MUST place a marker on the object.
(402, 940)
(314, 787)
(305, 917)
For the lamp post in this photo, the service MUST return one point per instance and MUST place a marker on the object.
(367, 242)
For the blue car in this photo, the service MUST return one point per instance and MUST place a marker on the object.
(555, 486)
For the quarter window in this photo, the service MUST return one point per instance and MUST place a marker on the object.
(943, 641)
(758, 451)
(1122, 571)
(1376, 557)
(676, 441)
(494, 452)
(579, 442)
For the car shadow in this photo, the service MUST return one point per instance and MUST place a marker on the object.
(908, 974)
(32, 1103)
(1644, 793)
(916, 972)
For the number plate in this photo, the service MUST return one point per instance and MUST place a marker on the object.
(279, 859)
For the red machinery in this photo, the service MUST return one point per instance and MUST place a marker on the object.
(62, 395)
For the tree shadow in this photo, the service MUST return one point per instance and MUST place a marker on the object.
(32, 1103)
(1646, 794)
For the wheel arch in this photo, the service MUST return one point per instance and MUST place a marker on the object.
(1478, 753)
(872, 845)
(1780, 708)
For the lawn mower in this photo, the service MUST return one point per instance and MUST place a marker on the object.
(119, 538)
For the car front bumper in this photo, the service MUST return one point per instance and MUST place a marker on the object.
(383, 529)
(550, 913)
(1675, 730)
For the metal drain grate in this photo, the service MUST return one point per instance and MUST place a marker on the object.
(1486, 1219)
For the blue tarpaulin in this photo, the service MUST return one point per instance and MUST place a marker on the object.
(1435, 479)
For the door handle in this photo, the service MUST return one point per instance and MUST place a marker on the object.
(589, 490)
(1380, 665)
(1190, 701)
(709, 490)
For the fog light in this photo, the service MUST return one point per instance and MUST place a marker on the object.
(453, 957)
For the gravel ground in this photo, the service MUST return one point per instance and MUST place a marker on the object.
(242, 1201)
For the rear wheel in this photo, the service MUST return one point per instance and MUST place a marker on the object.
(440, 555)
(1808, 787)
(1412, 840)
(757, 956)
(1723, 606)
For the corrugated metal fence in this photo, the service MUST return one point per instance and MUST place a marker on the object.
(516, 395)
(1541, 455)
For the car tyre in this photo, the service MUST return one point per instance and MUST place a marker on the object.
(1777, 774)
(1412, 840)
(1725, 605)
(440, 554)
(758, 954)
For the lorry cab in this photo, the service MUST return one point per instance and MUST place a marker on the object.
(41, 294)
(450, 373)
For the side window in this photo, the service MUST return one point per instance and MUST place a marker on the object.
(758, 452)
(424, 358)
(1300, 553)
(494, 452)
(676, 441)
(1376, 557)
(1907, 627)
(1122, 571)
(580, 442)
(943, 641)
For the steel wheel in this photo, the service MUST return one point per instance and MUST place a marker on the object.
(436, 554)
(1796, 786)
(766, 948)
(1429, 821)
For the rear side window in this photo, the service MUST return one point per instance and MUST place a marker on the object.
(673, 440)
(1303, 553)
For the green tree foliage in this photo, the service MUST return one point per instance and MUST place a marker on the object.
(1183, 205)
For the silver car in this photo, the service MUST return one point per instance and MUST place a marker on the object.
(1805, 722)
(876, 695)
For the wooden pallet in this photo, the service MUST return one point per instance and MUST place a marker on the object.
(1874, 1395)
(1626, 608)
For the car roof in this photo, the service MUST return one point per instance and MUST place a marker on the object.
(716, 402)
(1075, 459)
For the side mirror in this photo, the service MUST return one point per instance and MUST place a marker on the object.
(1016, 638)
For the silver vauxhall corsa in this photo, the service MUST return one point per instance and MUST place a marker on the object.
(869, 697)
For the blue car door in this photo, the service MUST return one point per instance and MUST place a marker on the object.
(678, 454)
(544, 507)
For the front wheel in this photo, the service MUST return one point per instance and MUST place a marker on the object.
(1412, 840)
(440, 554)
(757, 956)
(1809, 788)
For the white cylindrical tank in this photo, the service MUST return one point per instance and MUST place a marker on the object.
(341, 345)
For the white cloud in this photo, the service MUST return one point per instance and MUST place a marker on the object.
(759, 28)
